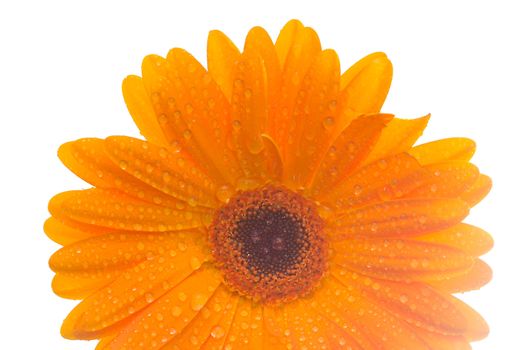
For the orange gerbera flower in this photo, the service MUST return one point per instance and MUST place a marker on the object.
(271, 207)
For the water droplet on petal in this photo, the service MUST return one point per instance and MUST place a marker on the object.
(224, 193)
(217, 332)
(328, 122)
(195, 263)
(198, 301)
(123, 164)
(236, 124)
(176, 311)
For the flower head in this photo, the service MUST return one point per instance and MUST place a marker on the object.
(271, 205)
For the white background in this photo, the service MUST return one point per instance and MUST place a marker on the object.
(61, 66)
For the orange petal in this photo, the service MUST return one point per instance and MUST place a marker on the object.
(405, 217)
(383, 180)
(192, 111)
(470, 239)
(89, 159)
(287, 38)
(173, 173)
(219, 333)
(348, 333)
(478, 190)
(138, 102)
(104, 342)
(314, 120)
(222, 54)
(365, 85)
(302, 49)
(74, 285)
(170, 314)
(275, 325)
(347, 150)
(206, 322)
(401, 260)
(114, 251)
(137, 288)
(259, 43)
(112, 209)
(65, 234)
(260, 338)
(455, 148)
(415, 303)
(474, 278)
(238, 336)
(477, 328)
(250, 114)
(313, 330)
(398, 136)
(446, 180)
(378, 326)
(440, 341)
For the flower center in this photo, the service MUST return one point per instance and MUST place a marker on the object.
(269, 243)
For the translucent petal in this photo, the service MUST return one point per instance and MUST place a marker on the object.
(207, 323)
(379, 326)
(470, 239)
(115, 210)
(407, 217)
(455, 148)
(140, 108)
(478, 190)
(65, 234)
(89, 159)
(300, 47)
(313, 120)
(222, 54)
(192, 111)
(218, 335)
(383, 180)
(400, 259)
(170, 314)
(446, 180)
(474, 278)
(414, 302)
(398, 137)
(137, 288)
(347, 151)
(365, 85)
(172, 173)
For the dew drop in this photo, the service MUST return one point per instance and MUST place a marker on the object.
(198, 301)
(123, 164)
(195, 263)
(236, 124)
(224, 193)
(182, 296)
(255, 146)
(217, 332)
(328, 122)
(176, 311)
(187, 134)
(166, 177)
(149, 298)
